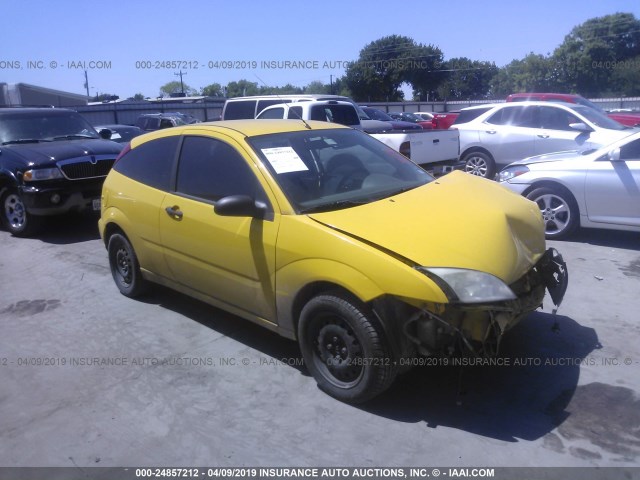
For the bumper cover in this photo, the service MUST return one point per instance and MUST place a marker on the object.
(39, 199)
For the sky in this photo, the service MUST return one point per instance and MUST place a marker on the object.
(139, 45)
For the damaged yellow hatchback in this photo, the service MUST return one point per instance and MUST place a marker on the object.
(327, 236)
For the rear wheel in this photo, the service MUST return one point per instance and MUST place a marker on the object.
(345, 348)
(15, 216)
(480, 164)
(559, 211)
(124, 265)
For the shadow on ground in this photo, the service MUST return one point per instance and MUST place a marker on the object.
(68, 229)
(606, 238)
(526, 398)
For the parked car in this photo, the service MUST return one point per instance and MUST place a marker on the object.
(120, 133)
(597, 189)
(239, 108)
(316, 231)
(343, 113)
(495, 135)
(444, 120)
(52, 161)
(425, 115)
(411, 118)
(149, 122)
(375, 114)
(629, 119)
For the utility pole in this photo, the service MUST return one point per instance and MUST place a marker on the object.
(181, 84)
(86, 84)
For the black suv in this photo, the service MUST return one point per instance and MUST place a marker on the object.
(52, 161)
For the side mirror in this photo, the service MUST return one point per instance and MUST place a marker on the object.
(614, 155)
(105, 133)
(239, 206)
(581, 127)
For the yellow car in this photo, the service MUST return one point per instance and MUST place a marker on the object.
(325, 235)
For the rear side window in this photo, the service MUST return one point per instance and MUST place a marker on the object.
(515, 116)
(150, 163)
(468, 115)
(272, 113)
(295, 113)
(239, 110)
(342, 114)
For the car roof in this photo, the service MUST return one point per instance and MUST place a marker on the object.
(34, 110)
(244, 128)
(538, 103)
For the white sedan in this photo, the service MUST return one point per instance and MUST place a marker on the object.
(596, 189)
(495, 135)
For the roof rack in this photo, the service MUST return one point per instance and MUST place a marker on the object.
(27, 106)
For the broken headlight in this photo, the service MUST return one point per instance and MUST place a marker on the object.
(469, 286)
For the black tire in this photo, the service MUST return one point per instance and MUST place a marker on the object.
(124, 265)
(559, 211)
(480, 164)
(15, 217)
(345, 348)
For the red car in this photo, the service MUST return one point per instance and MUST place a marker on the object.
(443, 120)
(628, 119)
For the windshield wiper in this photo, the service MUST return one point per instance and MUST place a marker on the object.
(76, 135)
(326, 207)
(25, 140)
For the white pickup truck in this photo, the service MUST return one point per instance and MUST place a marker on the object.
(436, 151)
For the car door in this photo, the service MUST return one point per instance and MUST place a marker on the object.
(509, 134)
(228, 258)
(612, 188)
(554, 133)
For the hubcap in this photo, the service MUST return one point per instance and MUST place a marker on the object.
(555, 213)
(476, 166)
(14, 211)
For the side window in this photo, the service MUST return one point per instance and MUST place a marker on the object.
(272, 113)
(631, 151)
(150, 163)
(295, 113)
(165, 123)
(515, 116)
(556, 118)
(240, 109)
(211, 169)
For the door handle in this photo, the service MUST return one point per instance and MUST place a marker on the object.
(543, 136)
(436, 140)
(174, 212)
(491, 132)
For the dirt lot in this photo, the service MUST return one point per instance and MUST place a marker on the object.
(91, 378)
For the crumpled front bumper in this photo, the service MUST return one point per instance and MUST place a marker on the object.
(478, 328)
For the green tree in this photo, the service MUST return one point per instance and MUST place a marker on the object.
(385, 64)
(213, 90)
(242, 88)
(174, 87)
(585, 61)
(534, 73)
(466, 79)
(138, 96)
(317, 87)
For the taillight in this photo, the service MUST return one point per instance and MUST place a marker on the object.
(124, 151)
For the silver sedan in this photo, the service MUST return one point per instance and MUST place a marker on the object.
(596, 189)
(492, 136)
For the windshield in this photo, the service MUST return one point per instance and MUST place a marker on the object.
(378, 115)
(44, 127)
(598, 118)
(322, 170)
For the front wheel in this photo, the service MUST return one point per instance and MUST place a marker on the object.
(124, 265)
(15, 217)
(559, 211)
(480, 164)
(345, 348)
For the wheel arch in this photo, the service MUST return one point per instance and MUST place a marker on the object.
(476, 149)
(553, 184)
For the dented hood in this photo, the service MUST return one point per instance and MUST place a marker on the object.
(459, 221)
